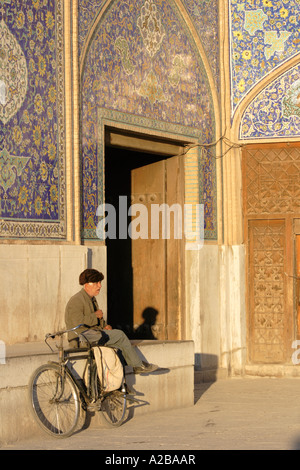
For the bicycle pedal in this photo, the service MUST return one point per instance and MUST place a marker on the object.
(94, 407)
(134, 400)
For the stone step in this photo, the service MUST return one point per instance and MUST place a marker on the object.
(209, 375)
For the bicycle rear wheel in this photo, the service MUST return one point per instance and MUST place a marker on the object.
(54, 400)
(113, 408)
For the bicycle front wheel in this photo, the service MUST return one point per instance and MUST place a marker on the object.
(113, 408)
(54, 400)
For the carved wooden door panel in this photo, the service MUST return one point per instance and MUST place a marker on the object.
(157, 262)
(271, 208)
(267, 291)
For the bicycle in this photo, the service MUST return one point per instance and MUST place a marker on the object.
(57, 395)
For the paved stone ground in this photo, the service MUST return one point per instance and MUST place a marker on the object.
(238, 413)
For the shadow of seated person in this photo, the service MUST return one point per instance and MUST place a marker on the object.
(145, 330)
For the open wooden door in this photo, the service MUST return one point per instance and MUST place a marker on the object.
(298, 283)
(157, 261)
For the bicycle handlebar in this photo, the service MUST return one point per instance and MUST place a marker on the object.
(62, 332)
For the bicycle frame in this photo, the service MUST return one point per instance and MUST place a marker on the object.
(87, 391)
(56, 391)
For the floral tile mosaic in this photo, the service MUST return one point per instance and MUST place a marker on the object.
(275, 112)
(205, 17)
(87, 13)
(264, 34)
(136, 71)
(143, 62)
(31, 119)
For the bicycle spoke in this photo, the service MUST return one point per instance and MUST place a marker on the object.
(113, 408)
(54, 400)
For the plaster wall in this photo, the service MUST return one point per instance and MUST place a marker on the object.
(215, 293)
(36, 283)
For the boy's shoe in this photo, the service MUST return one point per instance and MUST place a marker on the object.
(145, 368)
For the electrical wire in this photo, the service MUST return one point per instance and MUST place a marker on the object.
(224, 139)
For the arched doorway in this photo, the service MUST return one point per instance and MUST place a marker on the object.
(145, 291)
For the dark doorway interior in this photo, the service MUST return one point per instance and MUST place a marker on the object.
(118, 166)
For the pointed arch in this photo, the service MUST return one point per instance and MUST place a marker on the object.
(121, 72)
(197, 40)
(254, 93)
(205, 62)
(90, 34)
